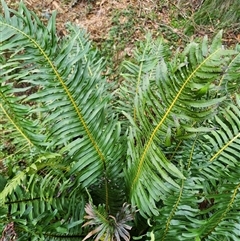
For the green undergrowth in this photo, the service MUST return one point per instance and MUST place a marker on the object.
(152, 155)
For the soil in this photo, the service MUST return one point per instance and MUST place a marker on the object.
(94, 16)
(97, 16)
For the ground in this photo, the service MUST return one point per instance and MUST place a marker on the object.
(115, 26)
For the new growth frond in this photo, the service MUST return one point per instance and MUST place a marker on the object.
(108, 227)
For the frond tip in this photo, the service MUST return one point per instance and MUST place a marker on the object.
(108, 227)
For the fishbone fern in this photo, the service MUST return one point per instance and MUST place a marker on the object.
(155, 159)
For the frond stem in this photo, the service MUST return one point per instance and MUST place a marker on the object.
(89, 134)
(16, 126)
(147, 146)
(226, 211)
(66, 90)
(224, 147)
(173, 212)
(191, 154)
(226, 70)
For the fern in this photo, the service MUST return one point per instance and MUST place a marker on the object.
(177, 89)
(155, 159)
(76, 129)
(210, 194)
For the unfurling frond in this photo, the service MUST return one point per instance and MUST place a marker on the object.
(108, 227)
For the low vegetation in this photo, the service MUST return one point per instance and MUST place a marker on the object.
(152, 156)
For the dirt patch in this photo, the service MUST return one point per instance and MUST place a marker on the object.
(93, 16)
(126, 21)
(97, 17)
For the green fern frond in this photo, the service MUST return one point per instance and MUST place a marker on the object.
(72, 96)
(225, 139)
(146, 58)
(18, 179)
(225, 208)
(179, 215)
(159, 107)
(229, 81)
(41, 201)
(179, 210)
(209, 196)
(73, 154)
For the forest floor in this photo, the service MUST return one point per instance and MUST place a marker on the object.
(115, 27)
(122, 23)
